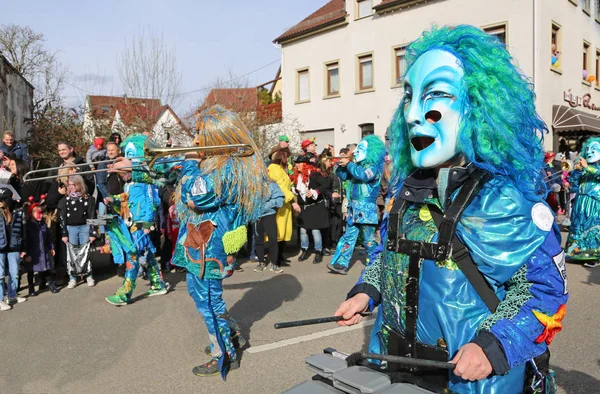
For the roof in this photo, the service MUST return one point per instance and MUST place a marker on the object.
(105, 107)
(236, 99)
(567, 121)
(331, 13)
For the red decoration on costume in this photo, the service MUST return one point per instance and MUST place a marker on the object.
(552, 324)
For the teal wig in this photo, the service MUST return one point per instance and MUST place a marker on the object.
(375, 152)
(133, 148)
(500, 131)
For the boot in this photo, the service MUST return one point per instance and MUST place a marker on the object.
(338, 269)
(318, 257)
(212, 367)
(305, 255)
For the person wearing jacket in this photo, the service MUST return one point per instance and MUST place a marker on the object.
(11, 248)
(267, 225)
(13, 149)
(364, 175)
(278, 172)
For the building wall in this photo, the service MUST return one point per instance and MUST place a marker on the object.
(380, 34)
(552, 82)
(168, 123)
(16, 101)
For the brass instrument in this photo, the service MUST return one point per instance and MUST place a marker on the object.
(152, 153)
(567, 166)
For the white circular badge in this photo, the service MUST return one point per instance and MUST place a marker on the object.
(542, 216)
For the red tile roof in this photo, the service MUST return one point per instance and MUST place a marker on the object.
(332, 12)
(236, 100)
(105, 107)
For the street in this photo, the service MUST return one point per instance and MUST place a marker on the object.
(75, 342)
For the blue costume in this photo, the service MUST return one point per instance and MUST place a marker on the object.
(129, 232)
(217, 198)
(364, 176)
(584, 233)
(442, 134)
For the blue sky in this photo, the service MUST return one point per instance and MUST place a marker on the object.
(210, 37)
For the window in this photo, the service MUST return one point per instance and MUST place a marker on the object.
(367, 129)
(303, 83)
(585, 5)
(105, 109)
(597, 66)
(499, 31)
(555, 45)
(364, 8)
(399, 65)
(586, 57)
(365, 72)
(597, 10)
(333, 79)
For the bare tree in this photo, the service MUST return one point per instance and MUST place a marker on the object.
(25, 49)
(148, 69)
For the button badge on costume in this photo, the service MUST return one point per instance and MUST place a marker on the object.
(542, 216)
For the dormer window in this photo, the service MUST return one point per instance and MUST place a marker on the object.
(364, 8)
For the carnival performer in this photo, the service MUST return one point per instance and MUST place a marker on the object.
(129, 230)
(364, 175)
(487, 292)
(216, 197)
(583, 241)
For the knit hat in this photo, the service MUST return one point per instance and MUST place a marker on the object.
(308, 142)
(284, 138)
(5, 194)
(549, 155)
(98, 142)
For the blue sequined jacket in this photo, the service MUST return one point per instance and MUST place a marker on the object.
(362, 193)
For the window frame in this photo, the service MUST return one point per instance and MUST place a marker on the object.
(587, 48)
(327, 94)
(357, 9)
(586, 7)
(556, 38)
(396, 81)
(298, 73)
(596, 82)
(359, 73)
(490, 28)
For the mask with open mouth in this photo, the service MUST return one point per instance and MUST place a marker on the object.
(592, 154)
(432, 108)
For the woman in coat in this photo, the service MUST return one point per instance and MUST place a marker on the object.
(278, 172)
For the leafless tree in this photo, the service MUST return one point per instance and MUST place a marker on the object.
(25, 49)
(148, 69)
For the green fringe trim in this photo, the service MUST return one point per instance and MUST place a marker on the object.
(235, 239)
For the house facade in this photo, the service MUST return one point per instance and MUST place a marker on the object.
(104, 114)
(342, 66)
(16, 101)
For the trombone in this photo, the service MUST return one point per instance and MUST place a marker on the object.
(152, 154)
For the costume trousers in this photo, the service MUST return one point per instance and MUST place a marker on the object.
(208, 296)
(345, 248)
(133, 265)
(266, 226)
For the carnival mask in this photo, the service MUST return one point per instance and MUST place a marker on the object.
(592, 153)
(360, 153)
(130, 150)
(432, 108)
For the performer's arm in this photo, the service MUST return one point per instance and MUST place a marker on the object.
(360, 173)
(526, 321)
(341, 172)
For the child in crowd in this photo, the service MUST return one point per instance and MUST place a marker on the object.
(11, 248)
(39, 249)
(74, 211)
(96, 152)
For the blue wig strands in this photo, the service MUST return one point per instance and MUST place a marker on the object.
(375, 151)
(501, 131)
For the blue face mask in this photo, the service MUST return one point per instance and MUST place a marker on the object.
(432, 108)
(592, 154)
(360, 153)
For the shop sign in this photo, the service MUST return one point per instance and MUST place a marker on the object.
(580, 101)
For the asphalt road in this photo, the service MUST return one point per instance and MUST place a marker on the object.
(75, 342)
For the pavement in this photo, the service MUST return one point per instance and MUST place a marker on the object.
(75, 342)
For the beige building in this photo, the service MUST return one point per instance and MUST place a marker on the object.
(341, 66)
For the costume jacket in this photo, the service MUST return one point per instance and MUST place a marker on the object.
(211, 229)
(513, 241)
(362, 192)
(585, 214)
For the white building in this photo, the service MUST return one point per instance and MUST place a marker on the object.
(342, 64)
